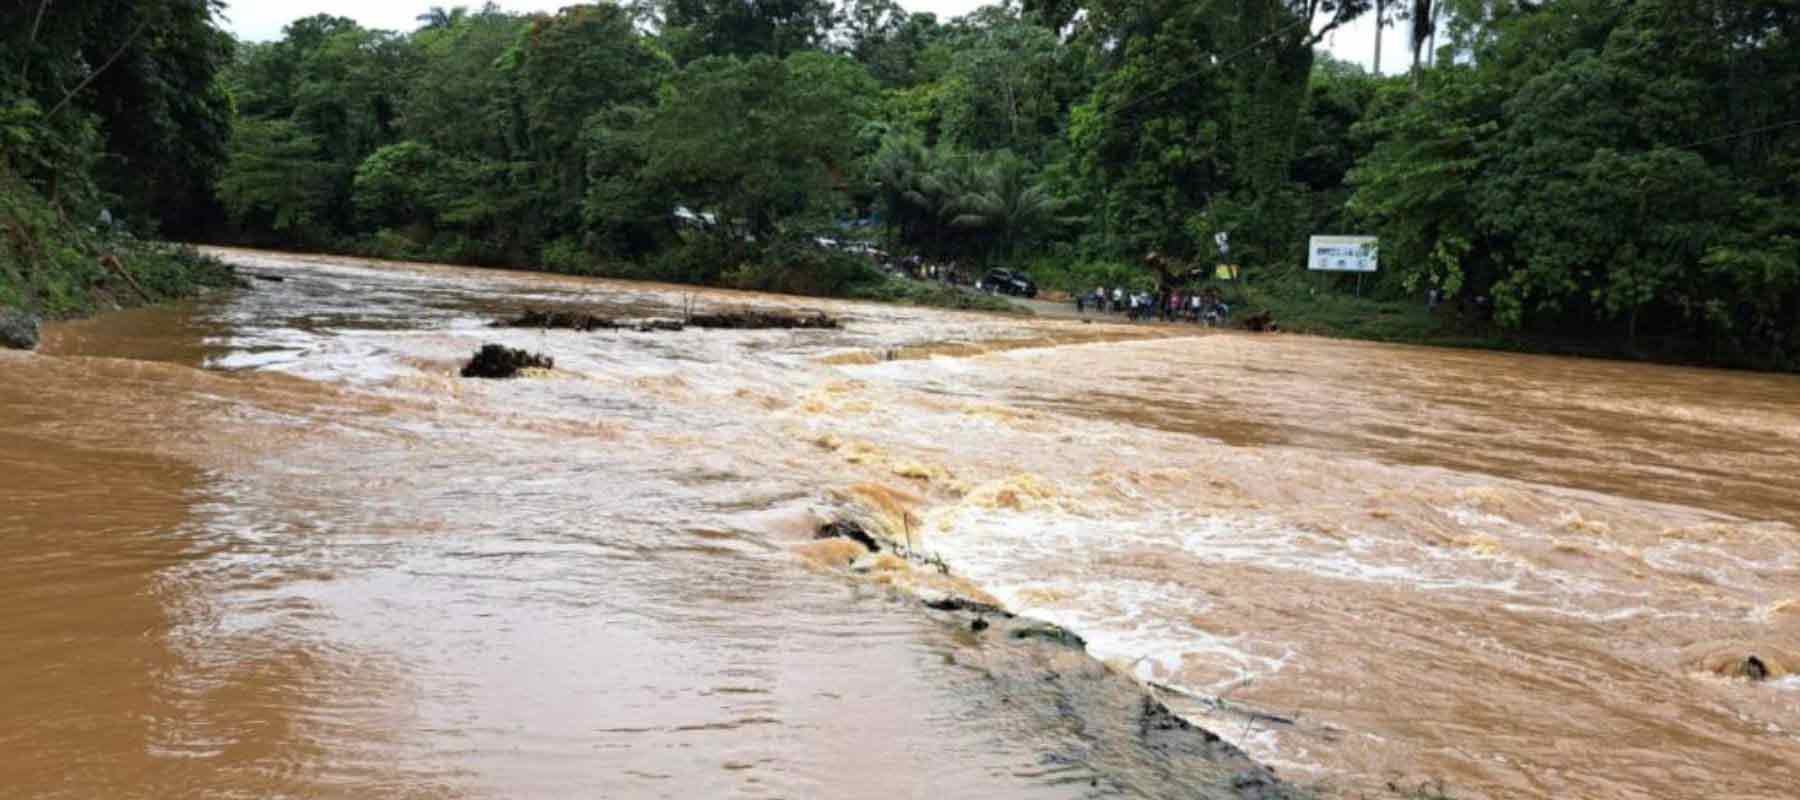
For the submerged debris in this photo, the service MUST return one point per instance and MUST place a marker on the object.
(952, 602)
(843, 529)
(727, 320)
(561, 320)
(499, 361)
(1050, 633)
(762, 320)
(1754, 669)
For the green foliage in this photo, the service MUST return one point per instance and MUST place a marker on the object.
(1009, 85)
(755, 141)
(277, 177)
(697, 29)
(795, 265)
(944, 201)
(1604, 168)
(1076, 275)
(59, 269)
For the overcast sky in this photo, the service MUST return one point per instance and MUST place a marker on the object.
(263, 19)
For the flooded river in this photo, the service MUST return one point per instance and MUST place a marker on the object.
(265, 543)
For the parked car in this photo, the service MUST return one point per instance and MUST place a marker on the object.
(1006, 281)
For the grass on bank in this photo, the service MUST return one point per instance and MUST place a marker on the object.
(54, 267)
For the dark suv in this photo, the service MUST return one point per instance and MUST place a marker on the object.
(1005, 281)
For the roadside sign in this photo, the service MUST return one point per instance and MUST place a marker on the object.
(1342, 254)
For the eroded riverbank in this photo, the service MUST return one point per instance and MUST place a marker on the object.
(1529, 577)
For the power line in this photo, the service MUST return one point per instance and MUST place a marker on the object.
(1741, 134)
(1217, 62)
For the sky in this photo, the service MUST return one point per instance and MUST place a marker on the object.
(262, 20)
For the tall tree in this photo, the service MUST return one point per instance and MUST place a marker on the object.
(698, 28)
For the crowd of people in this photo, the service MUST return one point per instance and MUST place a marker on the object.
(1202, 306)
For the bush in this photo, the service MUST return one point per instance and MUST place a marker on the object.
(1075, 275)
(798, 265)
(895, 289)
(566, 255)
(697, 259)
(58, 269)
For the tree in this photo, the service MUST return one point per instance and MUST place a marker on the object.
(698, 28)
(566, 68)
(138, 73)
(891, 43)
(278, 179)
(438, 18)
(1149, 142)
(1007, 205)
(756, 140)
(1009, 86)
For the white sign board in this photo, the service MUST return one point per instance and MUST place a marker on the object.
(1341, 254)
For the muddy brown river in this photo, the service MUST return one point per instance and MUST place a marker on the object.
(266, 543)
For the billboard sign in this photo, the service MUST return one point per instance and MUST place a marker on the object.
(1341, 254)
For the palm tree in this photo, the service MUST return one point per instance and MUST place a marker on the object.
(1006, 204)
(901, 169)
(438, 17)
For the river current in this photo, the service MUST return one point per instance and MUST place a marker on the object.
(266, 543)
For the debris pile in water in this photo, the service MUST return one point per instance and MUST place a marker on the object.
(562, 320)
(18, 330)
(762, 320)
(499, 361)
(743, 320)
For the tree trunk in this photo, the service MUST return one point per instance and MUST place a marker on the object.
(1380, 8)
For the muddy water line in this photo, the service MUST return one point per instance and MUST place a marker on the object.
(1529, 577)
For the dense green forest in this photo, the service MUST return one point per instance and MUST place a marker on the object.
(109, 111)
(1621, 174)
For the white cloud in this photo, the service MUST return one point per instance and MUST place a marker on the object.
(263, 20)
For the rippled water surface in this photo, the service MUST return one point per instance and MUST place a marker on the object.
(267, 543)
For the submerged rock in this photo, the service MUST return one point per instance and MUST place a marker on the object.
(1050, 633)
(1754, 669)
(1260, 322)
(499, 361)
(18, 330)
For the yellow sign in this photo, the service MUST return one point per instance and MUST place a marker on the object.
(1226, 272)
